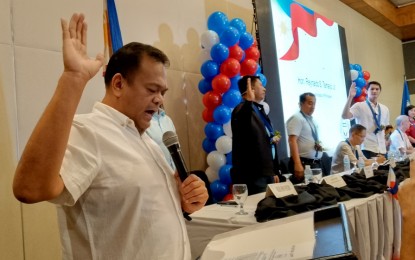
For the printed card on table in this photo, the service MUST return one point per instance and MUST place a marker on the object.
(280, 190)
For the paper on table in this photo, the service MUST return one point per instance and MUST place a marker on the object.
(277, 239)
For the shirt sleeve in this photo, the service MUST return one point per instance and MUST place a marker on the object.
(80, 164)
(294, 126)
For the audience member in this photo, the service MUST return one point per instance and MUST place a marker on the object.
(410, 112)
(406, 195)
(303, 139)
(388, 131)
(351, 148)
(118, 198)
(254, 145)
(399, 140)
(372, 115)
(161, 123)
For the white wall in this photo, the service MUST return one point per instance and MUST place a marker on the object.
(31, 64)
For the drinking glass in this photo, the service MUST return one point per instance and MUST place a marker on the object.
(240, 193)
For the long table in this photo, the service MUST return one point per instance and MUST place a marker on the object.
(375, 223)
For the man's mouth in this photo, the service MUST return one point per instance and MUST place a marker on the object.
(150, 112)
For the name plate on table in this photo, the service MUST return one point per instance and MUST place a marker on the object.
(334, 180)
(281, 189)
(368, 171)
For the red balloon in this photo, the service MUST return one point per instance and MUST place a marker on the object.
(221, 83)
(207, 115)
(212, 99)
(364, 91)
(366, 75)
(230, 67)
(252, 53)
(228, 197)
(248, 67)
(236, 52)
(360, 98)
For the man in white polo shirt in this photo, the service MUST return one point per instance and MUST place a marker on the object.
(370, 114)
(117, 196)
(303, 138)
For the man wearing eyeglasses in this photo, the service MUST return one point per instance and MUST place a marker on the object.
(351, 148)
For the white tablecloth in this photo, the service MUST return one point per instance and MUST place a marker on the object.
(375, 222)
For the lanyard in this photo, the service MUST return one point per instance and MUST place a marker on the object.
(313, 132)
(264, 120)
(312, 126)
(404, 141)
(355, 150)
(268, 126)
(376, 119)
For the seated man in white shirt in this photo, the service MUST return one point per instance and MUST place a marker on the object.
(351, 147)
(400, 143)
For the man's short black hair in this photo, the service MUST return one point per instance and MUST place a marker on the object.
(356, 128)
(127, 60)
(374, 83)
(303, 96)
(243, 82)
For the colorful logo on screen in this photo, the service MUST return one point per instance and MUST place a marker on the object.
(303, 18)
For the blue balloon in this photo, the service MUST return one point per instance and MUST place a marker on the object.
(225, 174)
(351, 66)
(204, 86)
(246, 40)
(230, 36)
(239, 24)
(360, 82)
(219, 190)
(219, 52)
(360, 74)
(258, 70)
(208, 145)
(213, 131)
(358, 92)
(234, 82)
(217, 22)
(222, 114)
(357, 67)
(209, 69)
(229, 158)
(232, 98)
(262, 78)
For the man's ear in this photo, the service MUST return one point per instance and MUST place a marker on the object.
(117, 84)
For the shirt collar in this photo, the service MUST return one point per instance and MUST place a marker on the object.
(116, 115)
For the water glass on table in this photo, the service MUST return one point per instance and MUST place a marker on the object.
(240, 193)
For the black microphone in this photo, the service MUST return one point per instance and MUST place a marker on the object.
(171, 141)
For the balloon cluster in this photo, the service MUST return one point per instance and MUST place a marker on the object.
(360, 77)
(228, 52)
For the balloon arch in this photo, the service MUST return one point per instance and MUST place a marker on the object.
(228, 53)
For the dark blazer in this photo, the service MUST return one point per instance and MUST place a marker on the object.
(251, 145)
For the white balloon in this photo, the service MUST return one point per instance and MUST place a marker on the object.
(208, 39)
(354, 74)
(211, 174)
(266, 106)
(227, 128)
(224, 144)
(216, 160)
(204, 56)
